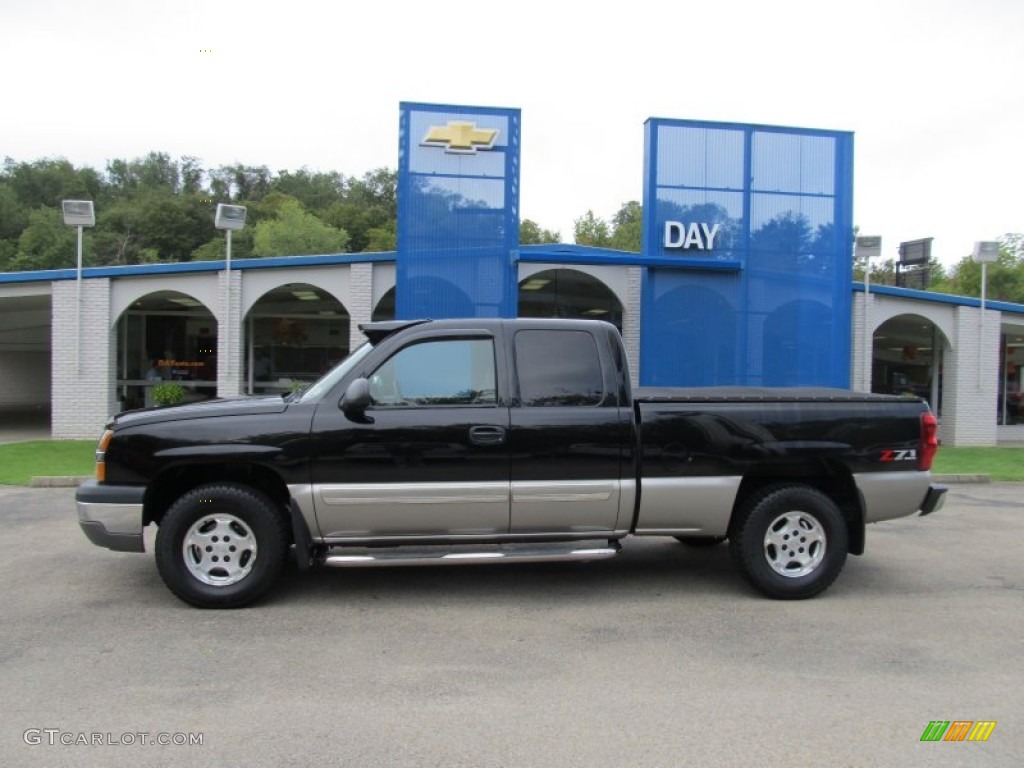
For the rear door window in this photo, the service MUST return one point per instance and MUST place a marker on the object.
(558, 368)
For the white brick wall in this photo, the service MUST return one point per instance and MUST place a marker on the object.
(229, 338)
(970, 375)
(631, 322)
(360, 304)
(82, 362)
(860, 380)
(24, 378)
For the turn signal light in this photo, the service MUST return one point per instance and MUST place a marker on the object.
(101, 453)
(929, 441)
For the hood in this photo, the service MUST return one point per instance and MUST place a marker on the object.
(239, 406)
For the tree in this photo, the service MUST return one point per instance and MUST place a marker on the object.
(380, 239)
(531, 233)
(117, 239)
(590, 230)
(173, 225)
(13, 215)
(1005, 276)
(627, 227)
(316, 191)
(295, 231)
(47, 243)
(367, 211)
(240, 183)
(47, 182)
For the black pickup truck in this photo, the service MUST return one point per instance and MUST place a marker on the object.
(485, 441)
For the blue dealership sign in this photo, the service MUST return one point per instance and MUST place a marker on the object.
(458, 211)
(758, 224)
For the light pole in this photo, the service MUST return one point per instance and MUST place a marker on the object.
(78, 213)
(866, 248)
(228, 218)
(984, 253)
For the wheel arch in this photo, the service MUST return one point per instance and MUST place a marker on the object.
(174, 482)
(830, 477)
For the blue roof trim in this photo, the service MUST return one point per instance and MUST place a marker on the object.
(562, 253)
(940, 298)
(139, 270)
(273, 262)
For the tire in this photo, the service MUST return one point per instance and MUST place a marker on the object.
(701, 542)
(221, 545)
(790, 541)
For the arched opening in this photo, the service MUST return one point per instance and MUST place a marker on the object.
(1011, 359)
(690, 339)
(385, 309)
(568, 293)
(293, 335)
(907, 355)
(166, 336)
(797, 345)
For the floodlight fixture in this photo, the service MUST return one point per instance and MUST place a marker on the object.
(868, 246)
(986, 251)
(78, 213)
(229, 216)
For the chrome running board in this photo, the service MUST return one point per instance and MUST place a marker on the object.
(446, 556)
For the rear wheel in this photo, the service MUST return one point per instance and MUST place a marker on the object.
(790, 541)
(221, 545)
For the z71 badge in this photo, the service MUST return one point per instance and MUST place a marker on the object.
(906, 455)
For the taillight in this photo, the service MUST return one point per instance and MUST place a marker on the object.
(929, 441)
(101, 454)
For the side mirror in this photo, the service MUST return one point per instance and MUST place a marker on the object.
(356, 398)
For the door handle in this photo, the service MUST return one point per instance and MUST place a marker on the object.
(487, 435)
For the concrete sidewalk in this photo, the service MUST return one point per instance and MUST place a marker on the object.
(17, 425)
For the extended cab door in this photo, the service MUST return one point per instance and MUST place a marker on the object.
(430, 457)
(570, 434)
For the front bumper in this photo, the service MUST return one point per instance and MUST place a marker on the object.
(934, 499)
(111, 515)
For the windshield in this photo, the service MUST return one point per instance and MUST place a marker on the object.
(325, 384)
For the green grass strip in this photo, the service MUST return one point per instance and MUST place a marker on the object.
(999, 463)
(20, 462)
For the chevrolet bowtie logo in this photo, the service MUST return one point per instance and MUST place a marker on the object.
(460, 138)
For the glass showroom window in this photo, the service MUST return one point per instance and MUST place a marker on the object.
(294, 334)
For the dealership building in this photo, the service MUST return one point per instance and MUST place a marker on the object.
(744, 278)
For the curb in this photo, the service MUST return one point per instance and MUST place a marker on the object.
(58, 481)
(962, 478)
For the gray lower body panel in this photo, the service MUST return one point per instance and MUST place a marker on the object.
(576, 506)
(888, 495)
(691, 506)
(427, 509)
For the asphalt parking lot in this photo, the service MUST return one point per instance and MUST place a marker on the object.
(661, 657)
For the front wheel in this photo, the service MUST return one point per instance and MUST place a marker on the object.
(790, 541)
(221, 545)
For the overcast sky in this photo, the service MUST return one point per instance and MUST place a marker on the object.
(932, 89)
